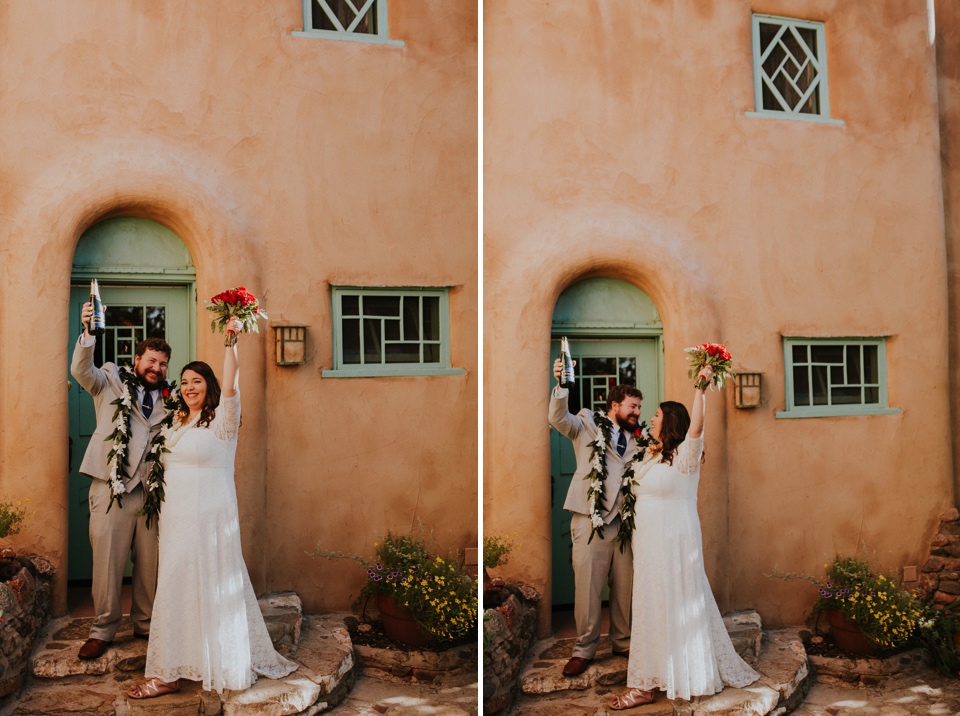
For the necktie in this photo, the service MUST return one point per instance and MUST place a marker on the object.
(146, 406)
(622, 443)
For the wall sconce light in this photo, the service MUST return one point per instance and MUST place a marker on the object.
(747, 390)
(291, 345)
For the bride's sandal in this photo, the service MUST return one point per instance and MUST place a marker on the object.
(152, 688)
(632, 699)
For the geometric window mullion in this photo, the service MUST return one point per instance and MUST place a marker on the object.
(834, 376)
(387, 331)
(790, 70)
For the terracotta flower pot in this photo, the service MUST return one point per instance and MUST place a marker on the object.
(848, 635)
(399, 623)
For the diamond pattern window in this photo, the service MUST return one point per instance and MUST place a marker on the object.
(790, 68)
(363, 20)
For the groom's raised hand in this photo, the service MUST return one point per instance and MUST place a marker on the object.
(558, 368)
(85, 315)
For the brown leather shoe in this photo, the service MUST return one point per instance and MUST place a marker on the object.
(576, 666)
(93, 649)
(141, 635)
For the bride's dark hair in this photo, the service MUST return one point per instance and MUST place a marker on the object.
(673, 429)
(212, 400)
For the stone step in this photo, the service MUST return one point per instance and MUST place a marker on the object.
(782, 663)
(323, 649)
(56, 657)
(543, 671)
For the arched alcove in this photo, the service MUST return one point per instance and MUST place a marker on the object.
(148, 284)
(615, 335)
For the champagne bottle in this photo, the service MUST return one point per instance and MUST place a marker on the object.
(566, 372)
(98, 323)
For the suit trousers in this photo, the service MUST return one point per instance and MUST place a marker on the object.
(114, 536)
(594, 565)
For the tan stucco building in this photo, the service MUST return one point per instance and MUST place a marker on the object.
(653, 181)
(187, 148)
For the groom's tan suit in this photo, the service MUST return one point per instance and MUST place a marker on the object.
(599, 561)
(120, 533)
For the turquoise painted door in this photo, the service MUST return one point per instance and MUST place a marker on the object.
(133, 313)
(601, 364)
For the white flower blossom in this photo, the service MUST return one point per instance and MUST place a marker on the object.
(596, 520)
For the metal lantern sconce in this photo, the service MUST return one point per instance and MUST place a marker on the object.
(747, 390)
(291, 345)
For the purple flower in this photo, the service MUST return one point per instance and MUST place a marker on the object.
(829, 585)
(370, 573)
(378, 577)
(379, 566)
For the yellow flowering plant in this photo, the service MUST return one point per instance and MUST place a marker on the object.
(439, 595)
(877, 603)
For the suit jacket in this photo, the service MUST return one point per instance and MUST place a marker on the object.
(582, 430)
(105, 385)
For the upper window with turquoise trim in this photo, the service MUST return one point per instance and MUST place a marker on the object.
(790, 68)
(358, 20)
(391, 331)
(835, 376)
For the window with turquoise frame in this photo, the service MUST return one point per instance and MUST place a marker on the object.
(835, 376)
(391, 331)
(356, 20)
(790, 69)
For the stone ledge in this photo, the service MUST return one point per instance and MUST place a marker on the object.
(70, 686)
(842, 670)
(785, 679)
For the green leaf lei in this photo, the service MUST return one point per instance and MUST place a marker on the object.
(598, 475)
(121, 438)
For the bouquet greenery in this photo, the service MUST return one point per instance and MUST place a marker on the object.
(441, 598)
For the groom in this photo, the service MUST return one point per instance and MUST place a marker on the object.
(598, 561)
(121, 532)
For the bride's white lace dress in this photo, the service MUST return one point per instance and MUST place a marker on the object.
(206, 623)
(678, 642)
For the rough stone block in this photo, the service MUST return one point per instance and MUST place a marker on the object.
(55, 663)
(283, 614)
(755, 700)
(950, 514)
(326, 656)
(269, 697)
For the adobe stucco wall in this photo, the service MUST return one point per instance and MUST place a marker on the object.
(285, 164)
(616, 145)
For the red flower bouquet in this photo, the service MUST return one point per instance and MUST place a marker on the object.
(714, 355)
(235, 303)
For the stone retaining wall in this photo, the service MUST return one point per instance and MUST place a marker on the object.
(508, 632)
(940, 575)
(25, 589)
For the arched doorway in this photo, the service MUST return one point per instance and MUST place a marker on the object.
(615, 336)
(148, 284)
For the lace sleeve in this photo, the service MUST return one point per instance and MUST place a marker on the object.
(226, 423)
(687, 459)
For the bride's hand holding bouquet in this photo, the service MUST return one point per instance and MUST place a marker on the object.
(236, 303)
(711, 363)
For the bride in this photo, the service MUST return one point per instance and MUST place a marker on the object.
(207, 625)
(679, 643)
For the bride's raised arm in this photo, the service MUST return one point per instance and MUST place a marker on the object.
(699, 405)
(231, 364)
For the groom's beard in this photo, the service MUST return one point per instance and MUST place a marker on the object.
(628, 423)
(151, 380)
